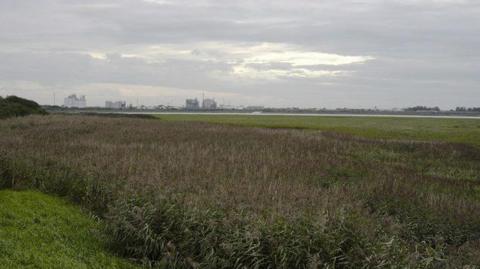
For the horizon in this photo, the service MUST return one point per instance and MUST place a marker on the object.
(223, 106)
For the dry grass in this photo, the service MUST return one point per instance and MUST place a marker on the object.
(196, 194)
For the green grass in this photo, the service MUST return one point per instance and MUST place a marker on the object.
(425, 129)
(40, 231)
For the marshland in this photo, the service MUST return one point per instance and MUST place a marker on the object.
(207, 193)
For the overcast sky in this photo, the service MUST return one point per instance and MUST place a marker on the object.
(325, 53)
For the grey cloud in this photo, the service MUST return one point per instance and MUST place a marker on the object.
(426, 51)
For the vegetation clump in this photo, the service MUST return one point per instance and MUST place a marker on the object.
(13, 106)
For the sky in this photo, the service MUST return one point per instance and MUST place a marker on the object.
(275, 53)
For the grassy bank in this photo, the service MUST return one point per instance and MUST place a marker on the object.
(13, 106)
(193, 194)
(426, 129)
(39, 231)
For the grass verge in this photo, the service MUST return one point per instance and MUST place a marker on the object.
(40, 231)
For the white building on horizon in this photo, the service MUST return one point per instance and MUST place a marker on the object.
(74, 101)
(209, 104)
(116, 105)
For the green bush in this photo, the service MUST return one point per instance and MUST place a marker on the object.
(14, 106)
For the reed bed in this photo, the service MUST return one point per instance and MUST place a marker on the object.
(199, 195)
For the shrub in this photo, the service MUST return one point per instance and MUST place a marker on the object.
(14, 106)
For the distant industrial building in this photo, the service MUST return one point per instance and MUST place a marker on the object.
(116, 104)
(209, 104)
(259, 108)
(74, 101)
(192, 104)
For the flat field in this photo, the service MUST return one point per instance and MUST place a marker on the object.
(425, 129)
(180, 194)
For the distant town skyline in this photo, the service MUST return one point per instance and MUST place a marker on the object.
(181, 103)
(283, 53)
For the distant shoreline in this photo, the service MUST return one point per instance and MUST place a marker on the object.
(383, 114)
(308, 115)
